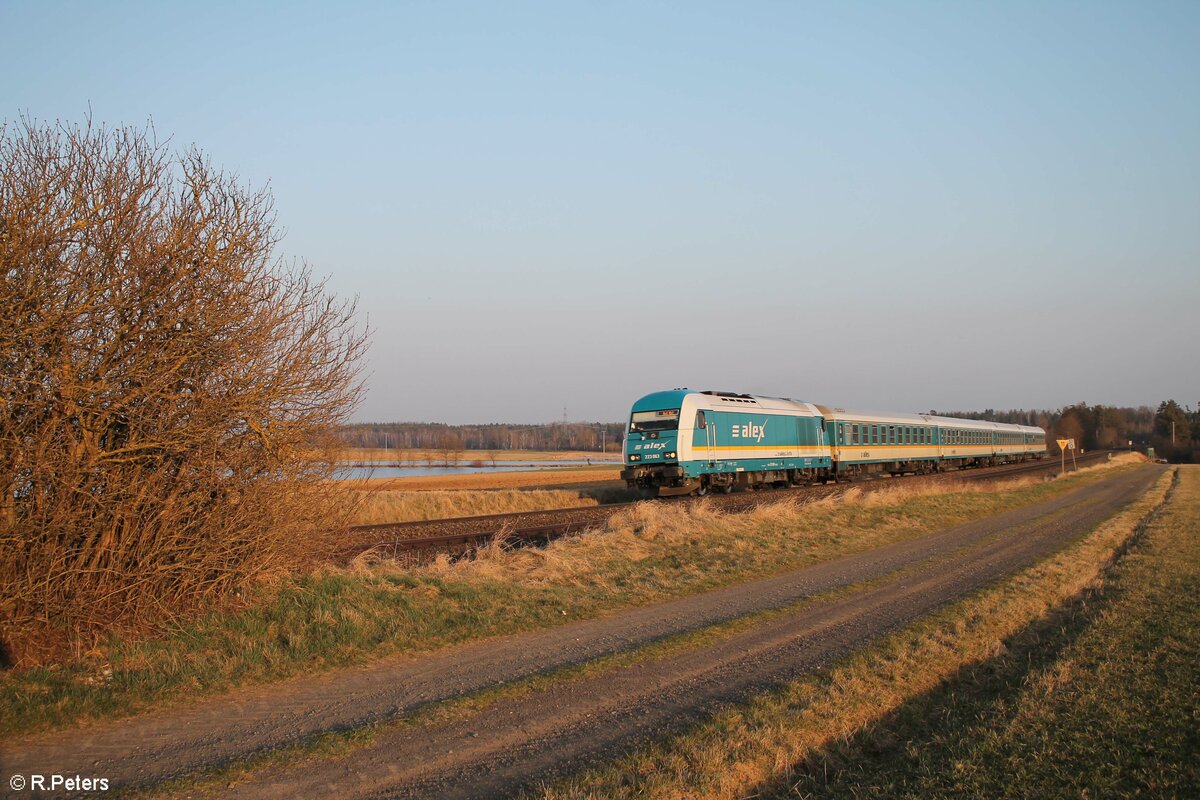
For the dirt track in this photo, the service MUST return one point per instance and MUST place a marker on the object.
(535, 738)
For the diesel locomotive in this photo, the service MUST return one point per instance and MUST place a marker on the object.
(692, 442)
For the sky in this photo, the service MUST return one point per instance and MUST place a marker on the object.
(549, 208)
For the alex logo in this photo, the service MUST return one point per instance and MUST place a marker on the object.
(650, 446)
(750, 431)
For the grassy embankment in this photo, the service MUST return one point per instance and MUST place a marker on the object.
(334, 617)
(1074, 678)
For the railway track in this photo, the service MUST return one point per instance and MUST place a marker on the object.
(414, 542)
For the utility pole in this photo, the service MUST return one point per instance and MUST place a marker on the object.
(1172, 433)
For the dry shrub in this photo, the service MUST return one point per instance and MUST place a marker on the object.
(166, 379)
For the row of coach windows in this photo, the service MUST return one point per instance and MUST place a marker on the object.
(889, 434)
(866, 434)
(961, 437)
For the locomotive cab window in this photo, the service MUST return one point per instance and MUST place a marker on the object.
(701, 423)
(664, 420)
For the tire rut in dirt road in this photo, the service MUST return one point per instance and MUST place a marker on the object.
(148, 749)
(517, 742)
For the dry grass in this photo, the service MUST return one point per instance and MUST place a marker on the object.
(468, 456)
(740, 751)
(399, 506)
(701, 546)
(1116, 461)
(559, 476)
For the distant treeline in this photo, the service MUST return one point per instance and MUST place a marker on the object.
(497, 436)
(1091, 427)
(1100, 426)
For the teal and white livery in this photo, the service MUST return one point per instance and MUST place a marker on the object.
(685, 442)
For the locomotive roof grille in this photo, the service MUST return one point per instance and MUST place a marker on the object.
(731, 397)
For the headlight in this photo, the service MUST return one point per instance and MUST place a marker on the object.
(635, 457)
(669, 455)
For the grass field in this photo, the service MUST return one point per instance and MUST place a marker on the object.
(400, 506)
(1073, 679)
(607, 477)
(336, 617)
(466, 457)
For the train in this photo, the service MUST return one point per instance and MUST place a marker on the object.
(693, 442)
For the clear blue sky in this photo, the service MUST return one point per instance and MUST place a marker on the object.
(898, 206)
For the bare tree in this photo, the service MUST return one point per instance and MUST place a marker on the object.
(166, 381)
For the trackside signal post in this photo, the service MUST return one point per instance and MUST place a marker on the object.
(1063, 446)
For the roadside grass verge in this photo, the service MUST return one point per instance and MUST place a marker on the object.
(910, 707)
(386, 505)
(334, 617)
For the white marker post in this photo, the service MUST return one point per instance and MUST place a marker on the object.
(1071, 444)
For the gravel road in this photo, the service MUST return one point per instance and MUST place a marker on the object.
(516, 742)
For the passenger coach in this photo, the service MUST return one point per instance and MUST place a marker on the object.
(686, 442)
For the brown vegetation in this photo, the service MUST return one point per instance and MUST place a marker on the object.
(393, 506)
(484, 457)
(505, 480)
(165, 379)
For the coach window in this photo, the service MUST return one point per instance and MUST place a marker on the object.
(841, 433)
(701, 423)
(854, 433)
